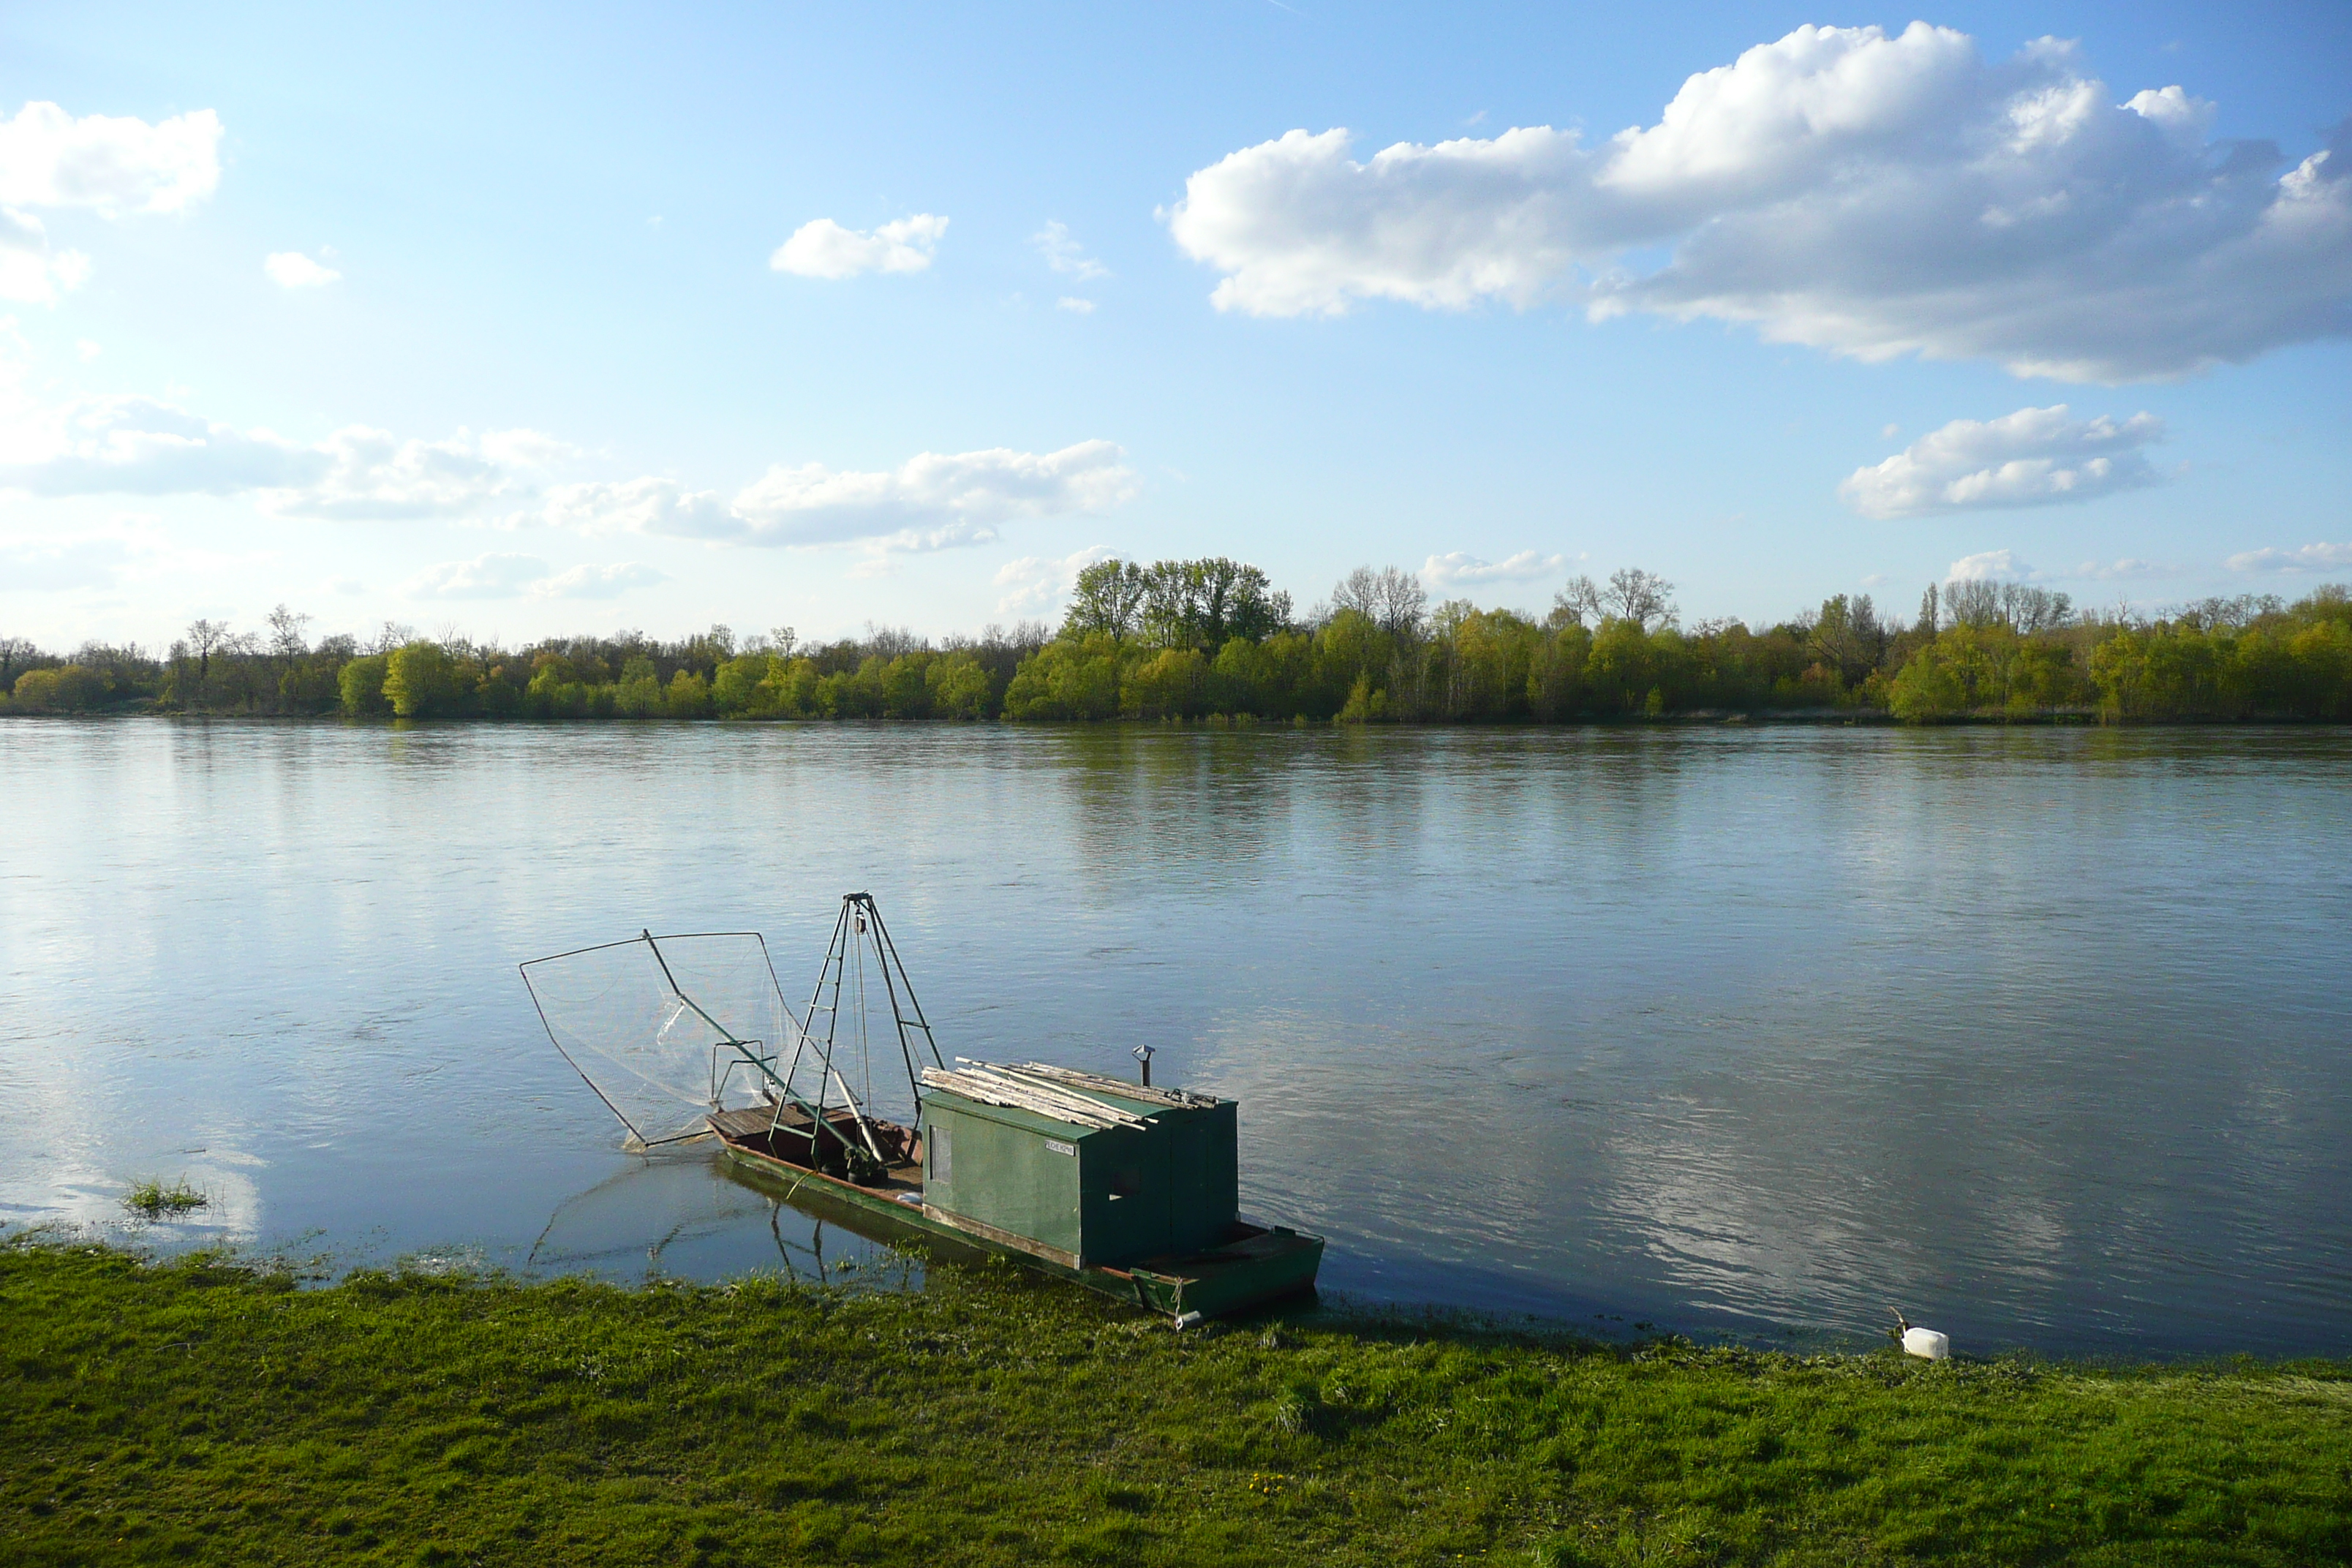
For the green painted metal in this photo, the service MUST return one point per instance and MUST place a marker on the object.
(1098, 1196)
(1252, 1267)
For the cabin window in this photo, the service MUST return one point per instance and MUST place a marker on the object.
(941, 1151)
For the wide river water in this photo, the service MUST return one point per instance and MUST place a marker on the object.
(2042, 1035)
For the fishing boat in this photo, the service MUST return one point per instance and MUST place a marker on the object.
(1126, 1188)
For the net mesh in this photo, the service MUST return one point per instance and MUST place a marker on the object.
(667, 1028)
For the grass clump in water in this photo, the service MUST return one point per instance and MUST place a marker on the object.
(151, 1198)
(204, 1410)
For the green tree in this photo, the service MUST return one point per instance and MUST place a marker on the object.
(68, 689)
(688, 696)
(422, 681)
(360, 683)
(1108, 598)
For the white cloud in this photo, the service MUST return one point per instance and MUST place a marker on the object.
(292, 270)
(499, 576)
(88, 351)
(598, 581)
(932, 501)
(30, 272)
(1457, 570)
(1869, 194)
(140, 445)
(823, 249)
(2035, 457)
(1989, 566)
(1035, 585)
(637, 506)
(1066, 256)
(2126, 569)
(506, 575)
(1072, 303)
(2321, 557)
(110, 163)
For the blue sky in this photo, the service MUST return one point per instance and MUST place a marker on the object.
(568, 373)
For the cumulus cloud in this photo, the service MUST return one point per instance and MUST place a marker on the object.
(1989, 566)
(2035, 457)
(507, 575)
(1870, 194)
(598, 581)
(141, 445)
(1066, 255)
(292, 270)
(500, 576)
(823, 249)
(1457, 570)
(2320, 557)
(112, 165)
(933, 501)
(30, 272)
(648, 505)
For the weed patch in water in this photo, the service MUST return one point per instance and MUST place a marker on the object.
(151, 1197)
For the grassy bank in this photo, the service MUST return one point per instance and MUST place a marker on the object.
(205, 1411)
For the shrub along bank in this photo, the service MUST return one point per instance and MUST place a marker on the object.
(203, 1411)
(1185, 641)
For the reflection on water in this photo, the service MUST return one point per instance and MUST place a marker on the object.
(676, 1212)
(2040, 1035)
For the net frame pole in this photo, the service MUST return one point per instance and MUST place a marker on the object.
(887, 951)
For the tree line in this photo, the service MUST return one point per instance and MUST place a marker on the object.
(1211, 639)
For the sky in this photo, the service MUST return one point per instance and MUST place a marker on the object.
(511, 322)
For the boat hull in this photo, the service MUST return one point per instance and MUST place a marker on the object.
(1255, 1265)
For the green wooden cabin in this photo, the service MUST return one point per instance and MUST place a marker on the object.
(1086, 1196)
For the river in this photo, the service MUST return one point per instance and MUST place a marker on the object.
(2041, 1035)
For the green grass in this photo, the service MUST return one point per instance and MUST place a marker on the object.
(204, 1410)
(151, 1198)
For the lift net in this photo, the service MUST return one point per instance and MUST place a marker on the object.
(669, 1028)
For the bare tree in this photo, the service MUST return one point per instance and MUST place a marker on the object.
(392, 634)
(286, 639)
(782, 640)
(2022, 608)
(1577, 602)
(205, 638)
(1644, 597)
(1391, 599)
(1929, 611)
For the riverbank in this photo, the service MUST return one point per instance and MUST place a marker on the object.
(210, 1411)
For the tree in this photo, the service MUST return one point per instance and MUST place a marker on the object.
(286, 639)
(420, 680)
(14, 651)
(205, 638)
(360, 683)
(1575, 602)
(1638, 596)
(1107, 597)
(1201, 604)
(1391, 599)
(1846, 637)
